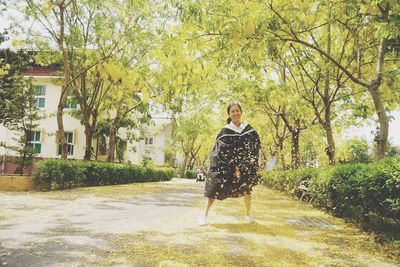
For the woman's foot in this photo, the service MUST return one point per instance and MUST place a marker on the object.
(249, 219)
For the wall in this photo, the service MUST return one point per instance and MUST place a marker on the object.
(16, 183)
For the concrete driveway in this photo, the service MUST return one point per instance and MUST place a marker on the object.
(155, 224)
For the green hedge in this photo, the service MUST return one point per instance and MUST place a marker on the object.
(62, 174)
(190, 174)
(368, 194)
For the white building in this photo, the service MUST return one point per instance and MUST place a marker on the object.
(48, 89)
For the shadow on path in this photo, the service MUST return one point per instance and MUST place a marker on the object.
(154, 224)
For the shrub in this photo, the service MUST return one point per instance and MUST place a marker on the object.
(62, 174)
(368, 194)
(190, 174)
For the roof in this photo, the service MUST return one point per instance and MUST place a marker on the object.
(37, 71)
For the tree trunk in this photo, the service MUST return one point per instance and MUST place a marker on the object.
(64, 90)
(327, 116)
(97, 148)
(185, 161)
(281, 154)
(23, 157)
(89, 130)
(61, 135)
(88, 141)
(119, 150)
(295, 152)
(295, 131)
(330, 150)
(382, 134)
(111, 144)
(191, 163)
(193, 160)
(279, 141)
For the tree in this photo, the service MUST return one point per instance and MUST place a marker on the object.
(24, 121)
(239, 34)
(288, 106)
(325, 94)
(130, 126)
(3, 35)
(189, 95)
(14, 63)
(18, 106)
(125, 119)
(89, 34)
(370, 25)
(51, 16)
(194, 125)
(116, 29)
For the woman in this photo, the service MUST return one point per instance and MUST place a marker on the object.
(234, 163)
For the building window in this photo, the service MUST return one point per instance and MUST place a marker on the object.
(34, 141)
(69, 138)
(40, 91)
(148, 141)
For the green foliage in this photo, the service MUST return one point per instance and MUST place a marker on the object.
(15, 94)
(313, 43)
(147, 162)
(18, 105)
(190, 174)
(62, 174)
(25, 152)
(354, 151)
(23, 118)
(368, 194)
(195, 129)
(309, 154)
(106, 61)
(393, 151)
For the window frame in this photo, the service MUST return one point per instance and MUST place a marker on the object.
(41, 96)
(149, 141)
(70, 145)
(36, 144)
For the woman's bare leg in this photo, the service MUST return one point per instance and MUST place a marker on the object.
(209, 202)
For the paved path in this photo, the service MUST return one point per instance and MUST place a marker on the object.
(154, 224)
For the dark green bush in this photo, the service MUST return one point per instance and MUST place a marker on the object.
(190, 174)
(61, 173)
(368, 194)
(69, 173)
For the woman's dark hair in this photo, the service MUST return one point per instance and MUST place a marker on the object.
(234, 103)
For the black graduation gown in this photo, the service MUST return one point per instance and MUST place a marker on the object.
(233, 149)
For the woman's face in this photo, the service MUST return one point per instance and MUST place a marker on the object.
(235, 114)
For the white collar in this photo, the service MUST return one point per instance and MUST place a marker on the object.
(235, 128)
